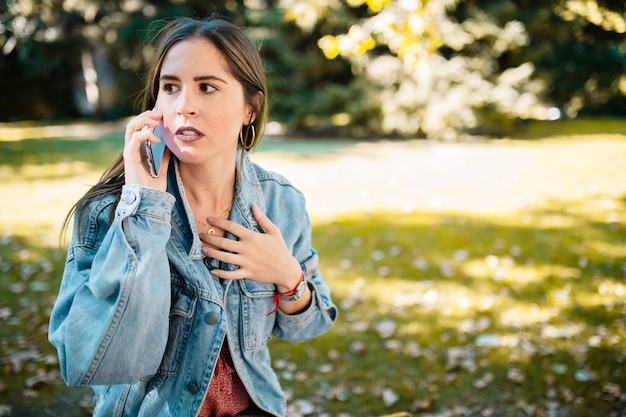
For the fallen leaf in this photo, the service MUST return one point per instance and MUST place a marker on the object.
(386, 328)
(389, 397)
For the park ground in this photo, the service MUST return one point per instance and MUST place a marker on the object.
(482, 278)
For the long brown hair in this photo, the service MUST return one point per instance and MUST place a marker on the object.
(244, 63)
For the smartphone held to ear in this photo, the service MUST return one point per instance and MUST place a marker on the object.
(155, 151)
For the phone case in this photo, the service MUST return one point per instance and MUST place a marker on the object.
(154, 153)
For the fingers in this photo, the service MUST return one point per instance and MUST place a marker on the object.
(220, 243)
(139, 131)
(240, 253)
(215, 252)
(239, 230)
(230, 226)
(265, 223)
(230, 258)
(139, 128)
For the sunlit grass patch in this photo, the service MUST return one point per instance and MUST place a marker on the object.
(448, 311)
(499, 291)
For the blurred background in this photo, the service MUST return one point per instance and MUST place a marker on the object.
(464, 164)
(437, 68)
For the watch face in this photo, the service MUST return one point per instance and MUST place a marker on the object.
(296, 294)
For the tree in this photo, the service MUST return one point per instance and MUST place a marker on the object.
(434, 67)
(444, 67)
(63, 59)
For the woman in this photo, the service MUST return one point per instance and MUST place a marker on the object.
(173, 285)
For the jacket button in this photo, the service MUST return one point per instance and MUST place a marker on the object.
(192, 387)
(211, 318)
(128, 197)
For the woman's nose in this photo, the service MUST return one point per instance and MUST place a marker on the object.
(187, 105)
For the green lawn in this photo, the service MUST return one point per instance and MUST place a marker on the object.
(475, 279)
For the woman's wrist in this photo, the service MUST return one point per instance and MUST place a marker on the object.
(286, 295)
(293, 279)
(291, 295)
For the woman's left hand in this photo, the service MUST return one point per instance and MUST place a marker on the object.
(262, 257)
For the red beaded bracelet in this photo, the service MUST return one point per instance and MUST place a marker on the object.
(276, 299)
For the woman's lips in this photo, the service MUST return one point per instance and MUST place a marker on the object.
(188, 134)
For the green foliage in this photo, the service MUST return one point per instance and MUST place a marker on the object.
(45, 42)
(438, 68)
(306, 89)
(580, 57)
(446, 67)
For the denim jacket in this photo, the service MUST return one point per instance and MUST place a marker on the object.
(141, 319)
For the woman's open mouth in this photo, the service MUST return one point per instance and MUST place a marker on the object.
(188, 134)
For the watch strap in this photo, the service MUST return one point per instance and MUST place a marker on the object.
(297, 293)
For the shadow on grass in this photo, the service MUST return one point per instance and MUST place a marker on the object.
(438, 314)
(582, 126)
(95, 152)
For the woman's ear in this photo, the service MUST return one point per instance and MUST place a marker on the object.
(255, 106)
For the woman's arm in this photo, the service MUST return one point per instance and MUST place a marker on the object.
(110, 320)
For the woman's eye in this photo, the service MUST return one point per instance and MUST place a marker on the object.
(169, 88)
(207, 88)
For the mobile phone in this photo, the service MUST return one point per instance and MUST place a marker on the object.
(155, 151)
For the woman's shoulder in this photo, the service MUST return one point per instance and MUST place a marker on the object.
(268, 175)
(271, 180)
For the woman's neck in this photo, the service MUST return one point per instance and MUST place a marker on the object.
(210, 189)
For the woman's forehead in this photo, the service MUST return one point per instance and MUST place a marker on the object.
(195, 55)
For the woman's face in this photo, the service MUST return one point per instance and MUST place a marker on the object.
(203, 105)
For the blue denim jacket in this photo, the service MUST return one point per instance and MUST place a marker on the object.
(140, 318)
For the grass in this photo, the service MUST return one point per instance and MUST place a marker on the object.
(483, 279)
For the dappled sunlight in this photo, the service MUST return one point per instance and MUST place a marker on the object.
(555, 220)
(493, 302)
(456, 302)
(10, 132)
(506, 272)
(486, 274)
(507, 180)
(607, 249)
(36, 198)
(591, 300)
(48, 172)
(610, 288)
(526, 315)
(594, 13)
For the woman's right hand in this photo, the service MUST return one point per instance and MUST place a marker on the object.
(138, 132)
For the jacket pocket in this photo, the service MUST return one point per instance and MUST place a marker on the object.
(256, 304)
(182, 311)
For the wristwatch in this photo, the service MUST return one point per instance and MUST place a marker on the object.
(297, 293)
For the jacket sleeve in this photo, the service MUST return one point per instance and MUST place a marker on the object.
(110, 320)
(321, 314)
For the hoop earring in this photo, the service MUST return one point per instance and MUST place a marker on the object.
(248, 142)
(253, 140)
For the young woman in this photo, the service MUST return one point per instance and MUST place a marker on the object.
(173, 285)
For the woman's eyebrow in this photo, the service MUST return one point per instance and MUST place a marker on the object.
(209, 78)
(198, 78)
